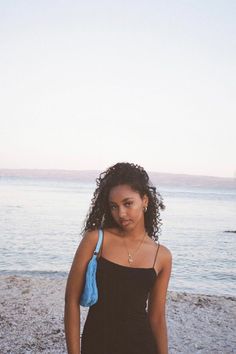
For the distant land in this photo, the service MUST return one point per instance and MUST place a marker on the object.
(157, 178)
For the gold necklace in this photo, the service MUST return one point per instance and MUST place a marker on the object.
(130, 257)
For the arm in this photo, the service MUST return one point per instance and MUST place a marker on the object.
(74, 289)
(157, 301)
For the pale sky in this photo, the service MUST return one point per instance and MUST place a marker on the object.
(85, 84)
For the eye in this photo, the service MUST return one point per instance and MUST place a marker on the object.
(128, 204)
(112, 207)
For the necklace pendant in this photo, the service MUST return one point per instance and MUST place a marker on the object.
(130, 259)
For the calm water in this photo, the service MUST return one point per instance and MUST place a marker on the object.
(40, 221)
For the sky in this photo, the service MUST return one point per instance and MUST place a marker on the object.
(85, 84)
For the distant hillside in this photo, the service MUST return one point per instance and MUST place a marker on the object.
(159, 179)
(192, 181)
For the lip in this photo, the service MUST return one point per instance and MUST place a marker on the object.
(125, 222)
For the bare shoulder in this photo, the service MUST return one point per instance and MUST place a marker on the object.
(165, 258)
(87, 245)
(90, 236)
(166, 253)
(163, 250)
(84, 252)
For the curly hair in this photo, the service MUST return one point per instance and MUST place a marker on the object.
(136, 177)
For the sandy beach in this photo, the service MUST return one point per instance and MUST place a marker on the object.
(31, 319)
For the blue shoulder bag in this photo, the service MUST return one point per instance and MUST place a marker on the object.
(89, 295)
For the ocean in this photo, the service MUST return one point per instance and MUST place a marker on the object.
(41, 220)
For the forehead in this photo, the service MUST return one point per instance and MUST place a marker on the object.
(121, 192)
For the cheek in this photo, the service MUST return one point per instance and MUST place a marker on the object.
(138, 210)
(114, 214)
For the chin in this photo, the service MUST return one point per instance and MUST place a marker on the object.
(130, 226)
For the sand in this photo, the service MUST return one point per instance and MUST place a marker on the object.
(31, 319)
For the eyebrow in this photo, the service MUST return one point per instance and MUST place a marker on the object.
(123, 200)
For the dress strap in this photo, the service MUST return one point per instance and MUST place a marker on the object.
(156, 254)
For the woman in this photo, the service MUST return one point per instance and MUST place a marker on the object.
(133, 270)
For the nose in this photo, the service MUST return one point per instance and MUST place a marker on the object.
(122, 211)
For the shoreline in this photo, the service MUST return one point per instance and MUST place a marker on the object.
(31, 318)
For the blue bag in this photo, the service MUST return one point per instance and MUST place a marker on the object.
(89, 295)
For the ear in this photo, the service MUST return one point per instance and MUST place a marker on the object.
(145, 200)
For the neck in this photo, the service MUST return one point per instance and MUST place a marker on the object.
(135, 234)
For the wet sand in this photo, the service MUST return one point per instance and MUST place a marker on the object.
(31, 319)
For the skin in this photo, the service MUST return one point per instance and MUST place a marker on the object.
(127, 209)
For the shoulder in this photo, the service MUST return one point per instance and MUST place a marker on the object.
(166, 253)
(163, 250)
(165, 258)
(88, 242)
(90, 236)
(85, 249)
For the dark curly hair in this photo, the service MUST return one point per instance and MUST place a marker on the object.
(136, 177)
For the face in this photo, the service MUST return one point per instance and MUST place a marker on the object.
(126, 206)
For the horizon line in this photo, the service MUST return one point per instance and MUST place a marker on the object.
(97, 170)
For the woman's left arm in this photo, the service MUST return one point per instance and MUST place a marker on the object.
(157, 301)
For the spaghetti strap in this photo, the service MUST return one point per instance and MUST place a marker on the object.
(156, 254)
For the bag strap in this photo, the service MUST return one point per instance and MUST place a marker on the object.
(100, 238)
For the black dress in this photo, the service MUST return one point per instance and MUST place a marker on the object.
(118, 323)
